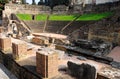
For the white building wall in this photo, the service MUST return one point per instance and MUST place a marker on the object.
(105, 1)
(83, 1)
(88, 1)
(91, 1)
(78, 2)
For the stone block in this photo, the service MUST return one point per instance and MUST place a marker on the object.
(47, 63)
(5, 43)
(29, 51)
(40, 41)
(19, 49)
(59, 47)
(1, 29)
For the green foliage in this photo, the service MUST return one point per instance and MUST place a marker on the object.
(23, 1)
(4, 1)
(33, 2)
(85, 17)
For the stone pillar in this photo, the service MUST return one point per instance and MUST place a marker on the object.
(19, 49)
(89, 34)
(1, 29)
(47, 63)
(5, 43)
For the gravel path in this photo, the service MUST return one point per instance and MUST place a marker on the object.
(5, 73)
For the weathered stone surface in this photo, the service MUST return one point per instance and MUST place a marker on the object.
(1, 29)
(47, 63)
(109, 73)
(83, 71)
(19, 49)
(5, 43)
(115, 64)
(40, 41)
(19, 71)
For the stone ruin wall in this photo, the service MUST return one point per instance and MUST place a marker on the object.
(34, 9)
(30, 9)
(61, 9)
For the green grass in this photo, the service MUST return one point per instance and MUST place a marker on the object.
(85, 17)
(61, 17)
(41, 17)
(24, 16)
(88, 17)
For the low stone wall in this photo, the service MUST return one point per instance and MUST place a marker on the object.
(26, 9)
(19, 71)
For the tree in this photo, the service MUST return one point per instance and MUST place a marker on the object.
(2, 3)
(41, 2)
(33, 2)
(23, 1)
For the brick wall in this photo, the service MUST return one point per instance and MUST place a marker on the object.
(19, 49)
(40, 40)
(1, 29)
(19, 71)
(47, 65)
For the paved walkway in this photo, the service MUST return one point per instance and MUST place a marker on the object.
(115, 54)
(5, 73)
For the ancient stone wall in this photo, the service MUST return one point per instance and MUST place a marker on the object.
(61, 9)
(56, 26)
(47, 63)
(77, 9)
(19, 71)
(107, 29)
(83, 71)
(27, 9)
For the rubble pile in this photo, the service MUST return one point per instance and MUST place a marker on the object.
(110, 73)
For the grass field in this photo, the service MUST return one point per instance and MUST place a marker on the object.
(41, 17)
(95, 16)
(24, 16)
(85, 17)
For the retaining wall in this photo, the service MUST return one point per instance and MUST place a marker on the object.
(19, 71)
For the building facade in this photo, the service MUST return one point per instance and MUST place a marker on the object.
(17, 1)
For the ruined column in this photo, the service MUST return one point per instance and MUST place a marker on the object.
(47, 63)
(1, 29)
(5, 43)
(89, 34)
(19, 49)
